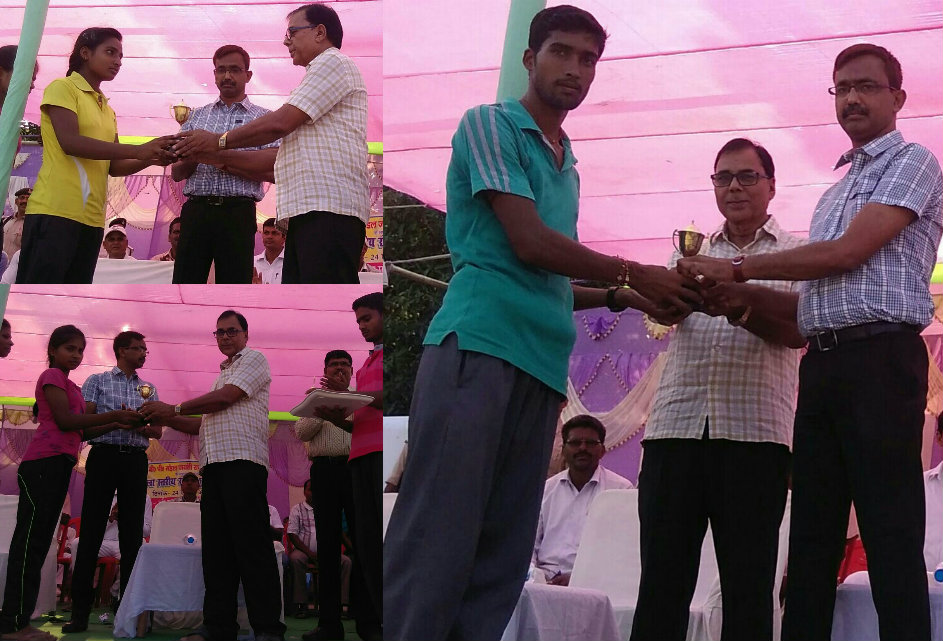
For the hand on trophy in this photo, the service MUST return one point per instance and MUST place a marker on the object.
(667, 288)
(158, 151)
(194, 142)
(705, 268)
(725, 299)
(157, 411)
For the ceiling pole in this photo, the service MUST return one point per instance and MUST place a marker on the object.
(512, 83)
(34, 19)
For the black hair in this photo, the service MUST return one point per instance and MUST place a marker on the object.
(175, 221)
(895, 76)
(337, 353)
(188, 475)
(5, 324)
(123, 340)
(743, 143)
(7, 57)
(584, 420)
(372, 301)
(243, 323)
(225, 50)
(568, 19)
(91, 38)
(59, 337)
(317, 14)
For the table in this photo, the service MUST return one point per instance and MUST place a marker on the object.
(47, 585)
(856, 619)
(166, 578)
(557, 613)
(162, 272)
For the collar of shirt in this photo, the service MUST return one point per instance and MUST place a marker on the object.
(313, 60)
(377, 348)
(81, 84)
(262, 257)
(872, 149)
(593, 480)
(770, 227)
(522, 118)
(117, 371)
(226, 364)
(244, 103)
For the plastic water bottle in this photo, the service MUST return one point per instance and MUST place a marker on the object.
(189, 539)
(938, 574)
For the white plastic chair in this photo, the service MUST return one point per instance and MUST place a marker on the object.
(174, 521)
(389, 499)
(609, 559)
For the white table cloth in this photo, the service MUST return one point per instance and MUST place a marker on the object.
(166, 578)
(856, 619)
(108, 271)
(47, 585)
(557, 613)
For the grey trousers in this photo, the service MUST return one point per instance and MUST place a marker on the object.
(461, 535)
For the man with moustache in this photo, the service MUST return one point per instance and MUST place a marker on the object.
(863, 383)
(271, 262)
(116, 463)
(13, 226)
(173, 237)
(218, 221)
(493, 374)
(321, 168)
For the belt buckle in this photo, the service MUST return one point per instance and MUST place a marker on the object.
(216, 201)
(827, 346)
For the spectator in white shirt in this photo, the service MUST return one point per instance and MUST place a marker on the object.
(568, 495)
(268, 264)
(116, 243)
(275, 523)
(303, 535)
(933, 494)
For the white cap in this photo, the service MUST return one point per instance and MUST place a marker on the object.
(116, 228)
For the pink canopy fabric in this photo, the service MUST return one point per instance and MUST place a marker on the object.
(293, 325)
(677, 80)
(168, 47)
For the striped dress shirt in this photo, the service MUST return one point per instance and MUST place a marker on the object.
(745, 385)
(239, 432)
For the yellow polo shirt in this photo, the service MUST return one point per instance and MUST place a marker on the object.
(68, 186)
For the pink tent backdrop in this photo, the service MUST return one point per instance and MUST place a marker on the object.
(168, 46)
(294, 326)
(676, 81)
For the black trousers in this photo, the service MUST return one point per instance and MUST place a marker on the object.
(858, 431)
(58, 250)
(741, 489)
(216, 229)
(109, 469)
(323, 247)
(237, 545)
(367, 477)
(43, 485)
(333, 495)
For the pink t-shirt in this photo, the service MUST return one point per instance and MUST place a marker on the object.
(367, 436)
(49, 439)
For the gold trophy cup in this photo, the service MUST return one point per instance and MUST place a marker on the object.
(146, 391)
(688, 241)
(181, 112)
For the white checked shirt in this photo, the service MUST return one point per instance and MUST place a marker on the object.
(563, 513)
(239, 432)
(109, 391)
(746, 385)
(933, 493)
(207, 180)
(301, 523)
(322, 165)
(894, 284)
(271, 273)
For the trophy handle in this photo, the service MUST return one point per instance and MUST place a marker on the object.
(676, 240)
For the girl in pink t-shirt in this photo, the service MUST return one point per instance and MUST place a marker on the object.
(44, 476)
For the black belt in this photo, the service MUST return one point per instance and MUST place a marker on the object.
(831, 339)
(221, 200)
(121, 449)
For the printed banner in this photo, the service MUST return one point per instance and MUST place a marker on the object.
(163, 479)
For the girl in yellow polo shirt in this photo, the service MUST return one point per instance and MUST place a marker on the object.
(65, 217)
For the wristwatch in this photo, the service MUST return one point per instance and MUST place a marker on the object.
(611, 300)
(737, 264)
(222, 140)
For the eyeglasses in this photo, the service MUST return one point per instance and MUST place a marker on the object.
(219, 333)
(745, 178)
(232, 71)
(575, 443)
(862, 88)
(290, 31)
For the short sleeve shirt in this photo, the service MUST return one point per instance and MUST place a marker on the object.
(322, 165)
(495, 304)
(239, 432)
(49, 440)
(69, 186)
(893, 285)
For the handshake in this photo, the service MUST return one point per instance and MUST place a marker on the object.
(197, 146)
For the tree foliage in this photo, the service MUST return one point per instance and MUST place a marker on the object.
(411, 230)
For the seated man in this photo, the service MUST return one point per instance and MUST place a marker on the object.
(189, 486)
(568, 495)
(303, 536)
(115, 243)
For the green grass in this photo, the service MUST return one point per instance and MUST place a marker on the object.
(100, 632)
